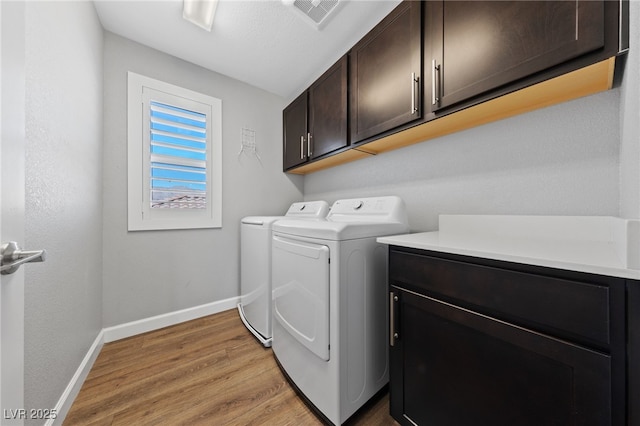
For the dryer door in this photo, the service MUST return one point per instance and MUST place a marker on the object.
(301, 292)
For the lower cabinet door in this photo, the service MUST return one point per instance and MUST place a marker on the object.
(451, 366)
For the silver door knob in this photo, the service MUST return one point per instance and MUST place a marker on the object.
(12, 256)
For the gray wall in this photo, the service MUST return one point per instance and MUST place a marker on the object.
(561, 160)
(63, 296)
(630, 122)
(148, 273)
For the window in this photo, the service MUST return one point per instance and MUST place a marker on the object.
(174, 157)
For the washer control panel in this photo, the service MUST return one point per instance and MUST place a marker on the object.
(390, 208)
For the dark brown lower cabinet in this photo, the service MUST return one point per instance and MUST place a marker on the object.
(462, 368)
(462, 357)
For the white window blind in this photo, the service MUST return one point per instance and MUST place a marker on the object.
(175, 157)
(178, 154)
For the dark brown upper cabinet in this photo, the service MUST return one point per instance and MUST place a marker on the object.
(434, 67)
(295, 132)
(328, 111)
(386, 74)
(315, 124)
(477, 46)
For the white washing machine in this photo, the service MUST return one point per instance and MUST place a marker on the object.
(255, 265)
(330, 304)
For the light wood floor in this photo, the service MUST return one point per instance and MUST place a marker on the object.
(210, 371)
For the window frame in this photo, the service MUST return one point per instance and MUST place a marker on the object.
(141, 90)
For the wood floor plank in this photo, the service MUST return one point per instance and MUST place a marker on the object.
(209, 391)
(206, 371)
(163, 342)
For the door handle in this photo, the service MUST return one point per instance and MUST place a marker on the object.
(12, 256)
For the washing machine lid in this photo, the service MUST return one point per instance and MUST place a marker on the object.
(352, 219)
(302, 210)
(265, 221)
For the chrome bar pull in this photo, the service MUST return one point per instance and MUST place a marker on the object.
(12, 257)
(414, 82)
(302, 147)
(393, 334)
(435, 77)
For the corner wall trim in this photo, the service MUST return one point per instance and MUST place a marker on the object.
(133, 328)
(73, 388)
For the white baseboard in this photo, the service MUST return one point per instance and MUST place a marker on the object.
(73, 388)
(111, 334)
(133, 328)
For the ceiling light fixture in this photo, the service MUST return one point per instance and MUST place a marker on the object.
(200, 12)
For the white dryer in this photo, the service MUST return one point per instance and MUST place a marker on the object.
(255, 265)
(330, 304)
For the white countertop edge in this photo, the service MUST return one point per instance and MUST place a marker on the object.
(430, 241)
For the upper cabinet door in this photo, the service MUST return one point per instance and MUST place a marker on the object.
(328, 111)
(386, 75)
(295, 132)
(477, 46)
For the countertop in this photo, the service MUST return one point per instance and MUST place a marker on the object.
(601, 245)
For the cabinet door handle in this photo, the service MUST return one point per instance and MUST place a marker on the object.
(393, 334)
(435, 78)
(414, 82)
(309, 145)
(302, 147)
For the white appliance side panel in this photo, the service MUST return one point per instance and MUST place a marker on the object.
(255, 276)
(377, 323)
(301, 292)
(354, 285)
(364, 337)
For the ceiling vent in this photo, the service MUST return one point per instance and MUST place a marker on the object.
(318, 11)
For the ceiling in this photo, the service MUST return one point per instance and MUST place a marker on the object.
(265, 43)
